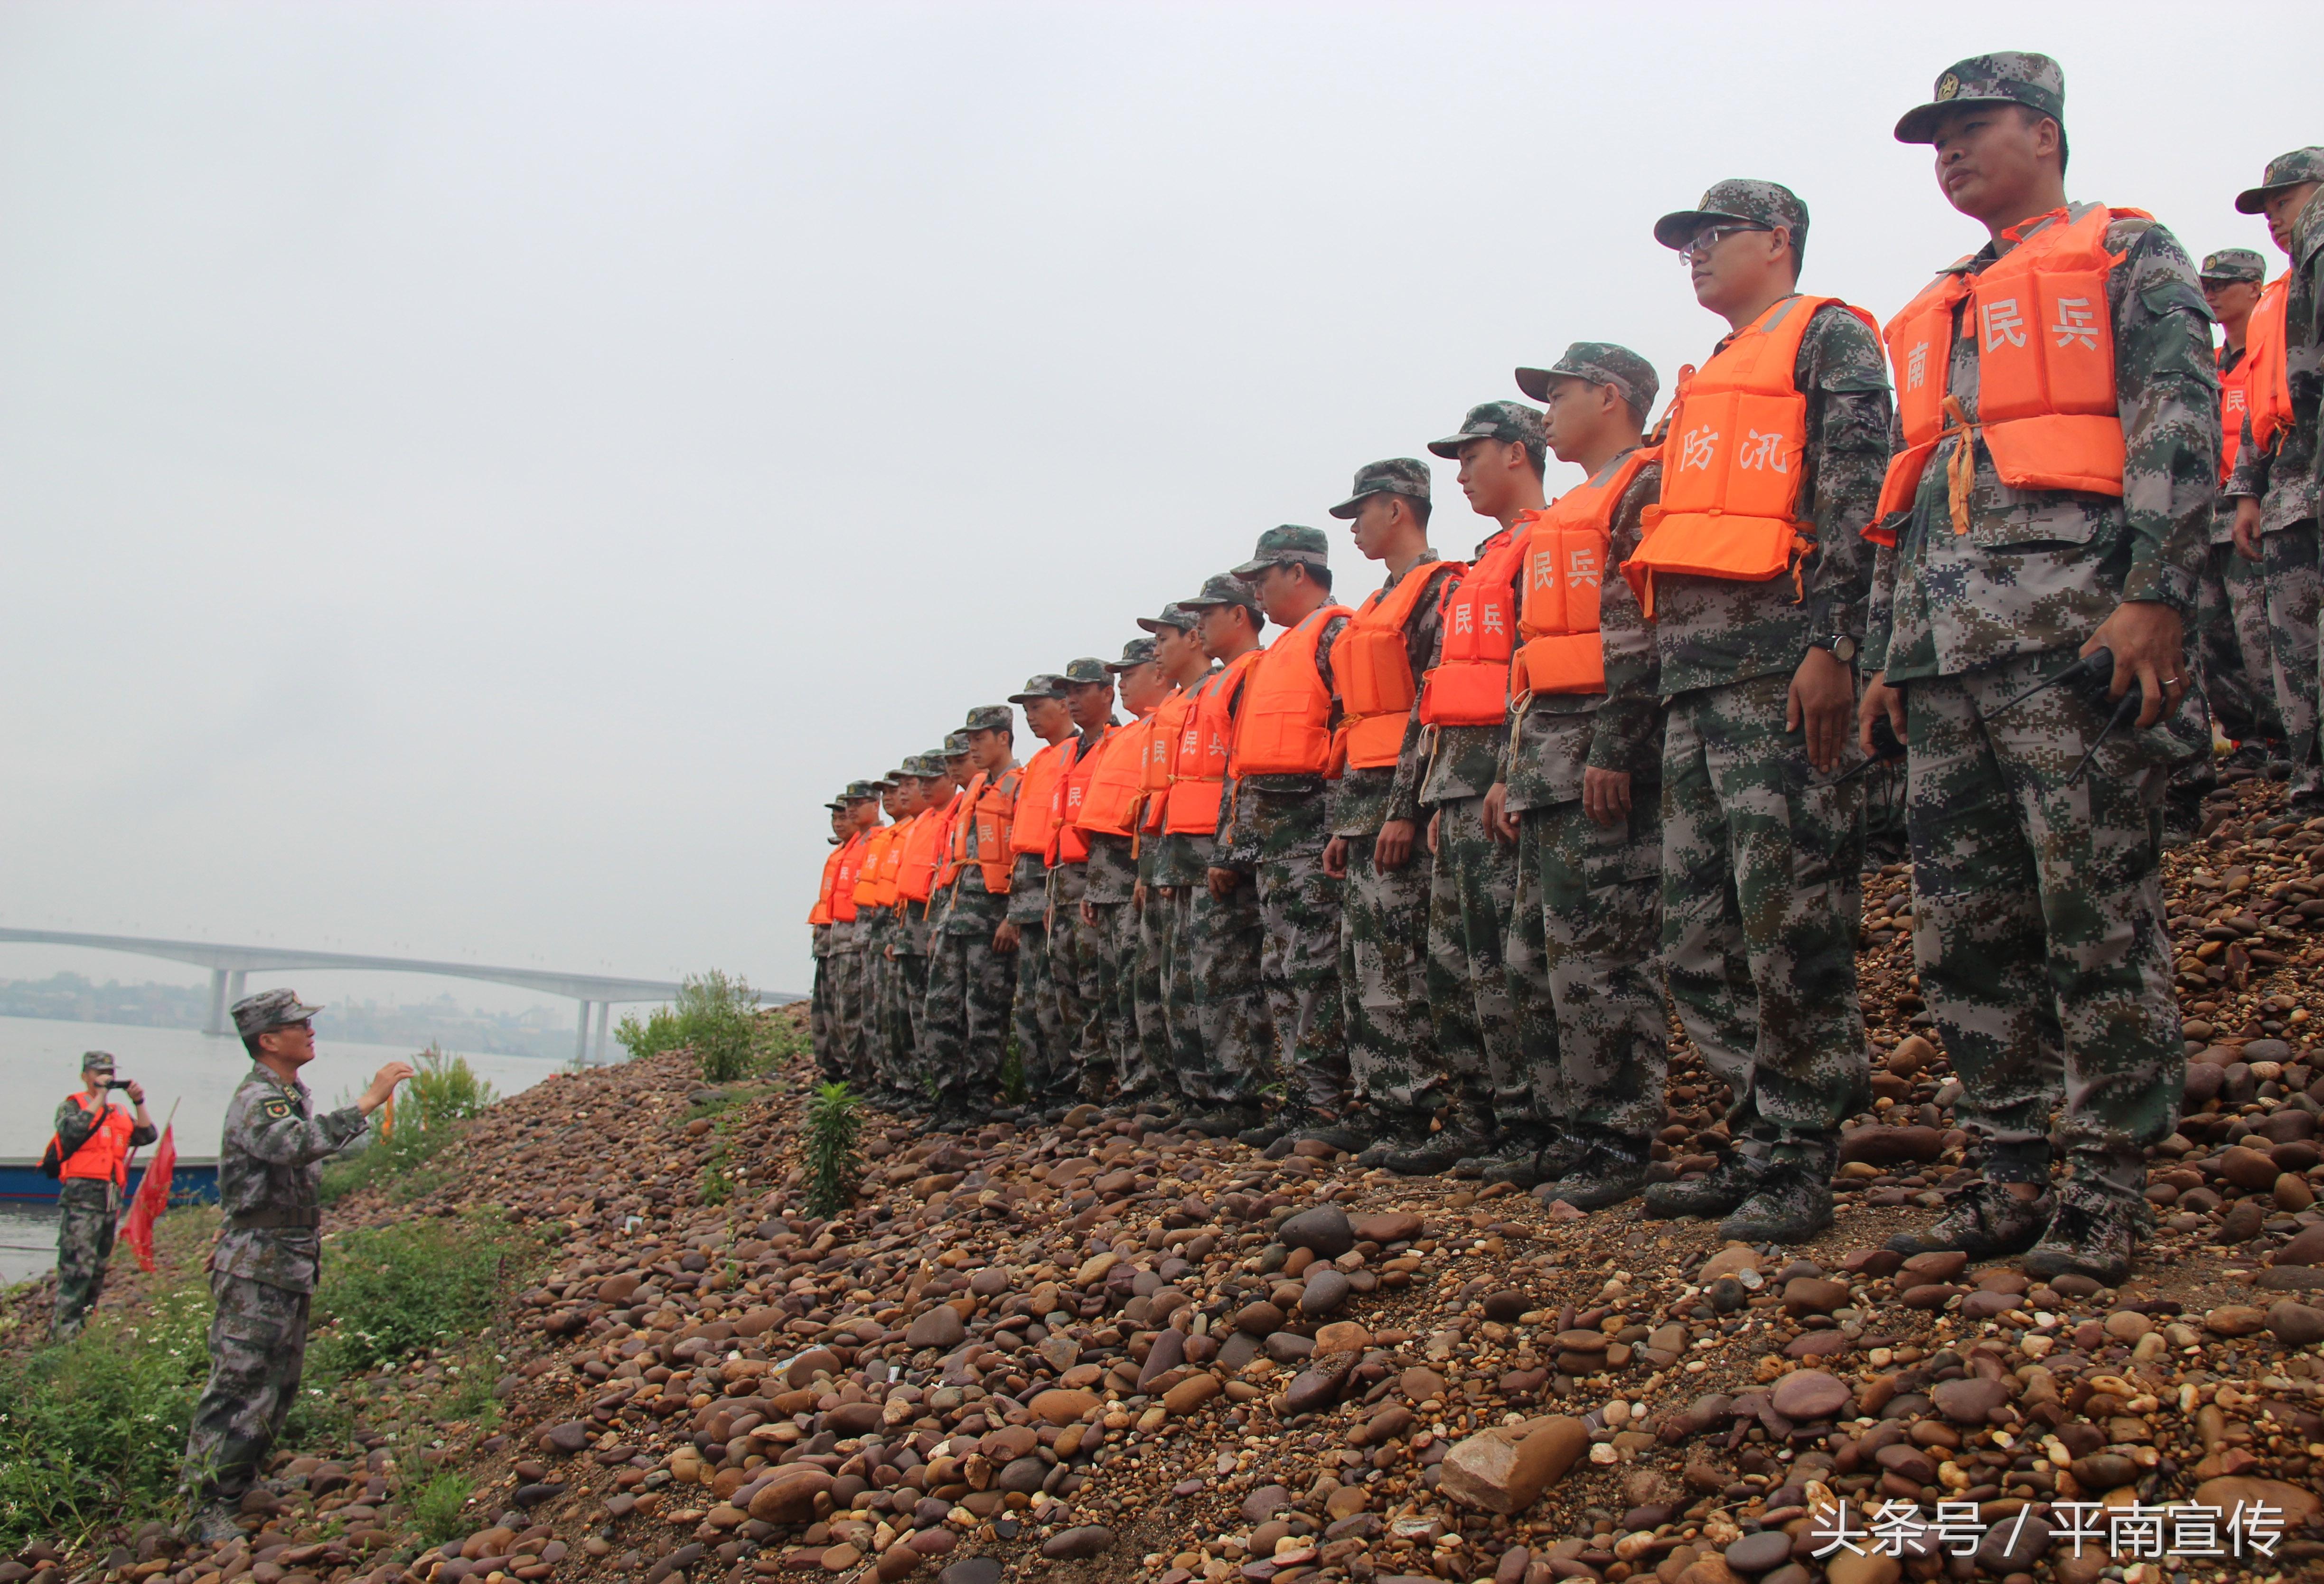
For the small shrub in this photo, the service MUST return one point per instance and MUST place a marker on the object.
(833, 1166)
(658, 1032)
(392, 1290)
(716, 1017)
(445, 1090)
(1012, 1074)
(441, 1094)
(436, 1510)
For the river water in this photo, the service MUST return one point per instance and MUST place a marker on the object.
(40, 1064)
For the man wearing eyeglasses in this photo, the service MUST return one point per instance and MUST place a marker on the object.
(1753, 572)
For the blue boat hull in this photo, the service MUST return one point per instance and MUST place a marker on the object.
(193, 1180)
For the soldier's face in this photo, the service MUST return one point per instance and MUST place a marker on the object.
(294, 1044)
(1279, 589)
(1219, 628)
(1045, 716)
(904, 802)
(936, 791)
(1143, 686)
(864, 812)
(1176, 651)
(1991, 159)
(990, 749)
(2231, 301)
(2282, 208)
(1489, 474)
(1374, 527)
(839, 823)
(1574, 413)
(1091, 702)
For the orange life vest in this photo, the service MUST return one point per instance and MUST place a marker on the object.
(2232, 404)
(1198, 760)
(842, 890)
(1566, 569)
(988, 810)
(1067, 842)
(1470, 684)
(1285, 725)
(1372, 664)
(821, 912)
(922, 853)
(892, 858)
(105, 1154)
(1036, 790)
(875, 856)
(2046, 405)
(1110, 803)
(1169, 720)
(2267, 383)
(1732, 456)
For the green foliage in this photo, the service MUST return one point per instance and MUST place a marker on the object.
(441, 1094)
(392, 1290)
(444, 1091)
(658, 1032)
(717, 1018)
(1012, 1074)
(435, 1509)
(834, 1121)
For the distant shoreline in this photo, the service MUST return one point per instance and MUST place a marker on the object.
(461, 1050)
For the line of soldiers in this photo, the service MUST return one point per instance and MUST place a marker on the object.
(1421, 877)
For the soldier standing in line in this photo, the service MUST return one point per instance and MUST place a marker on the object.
(1276, 823)
(1392, 1065)
(884, 1077)
(1582, 796)
(919, 855)
(1041, 1045)
(1175, 862)
(971, 980)
(1108, 819)
(818, 920)
(1072, 943)
(268, 1255)
(847, 1000)
(2231, 601)
(93, 1140)
(2275, 482)
(1463, 706)
(1224, 1069)
(1754, 571)
(2037, 902)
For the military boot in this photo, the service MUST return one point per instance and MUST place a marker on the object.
(1610, 1170)
(1542, 1157)
(1717, 1191)
(1393, 1133)
(1223, 1121)
(1790, 1203)
(1442, 1151)
(1983, 1220)
(1326, 1127)
(2093, 1233)
(213, 1523)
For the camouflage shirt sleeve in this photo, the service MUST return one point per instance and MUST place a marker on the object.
(272, 1131)
(1631, 716)
(2250, 475)
(1424, 639)
(1238, 837)
(1843, 368)
(73, 1127)
(2167, 387)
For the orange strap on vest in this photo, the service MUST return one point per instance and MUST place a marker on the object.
(1372, 664)
(843, 889)
(1198, 771)
(1109, 801)
(1470, 684)
(1732, 456)
(1285, 725)
(104, 1154)
(1068, 844)
(821, 912)
(2046, 403)
(1037, 789)
(2267, 383)
(1561, 650)
(1163, 731)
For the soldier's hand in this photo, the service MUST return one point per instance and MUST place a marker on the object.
(1089, 915)
(1497, 822)
(1004, 939)
(1606, 795)
(2247, 527)
(1392, 848)
(1434, 820)
(1822, 704)
(1335, 858)
(1879, 698)
(1223, 882)
(2149, 642)
(382, 1085)
(135, 1091)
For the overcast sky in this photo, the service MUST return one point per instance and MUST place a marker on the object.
(475, 478)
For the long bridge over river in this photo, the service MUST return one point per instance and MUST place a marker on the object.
(231, 967)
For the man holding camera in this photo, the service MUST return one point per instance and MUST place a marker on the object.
(94, 1138)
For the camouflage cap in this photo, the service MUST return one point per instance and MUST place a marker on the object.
(924, 766)
(270, 1009)
(1137, 652)
(1046, 685)
(2283, 170)
(1086, 670)
(1511, 422)
(991, 718)
(2006, 77)
(858, 791)
(2233, 263)
(1174, 615)
(838, 803)
(1404, 475)
(1223, 588)
(1288, 545)
(97, 1062)
(1755, 203)
(1602, 363)
(893, 779)
(956, 745)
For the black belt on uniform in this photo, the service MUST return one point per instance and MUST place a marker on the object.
(275, 1220)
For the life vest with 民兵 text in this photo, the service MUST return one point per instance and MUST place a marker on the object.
(2266, 371)
(1035, 789)
(981, 821)
(1113, 797)
(923, 853)
(1068, 842)
(1372, 664)
(1284, 725)
(1560, 649)
(1198, 761)
(1469, 685)
(843, 886)
(875, 859)
(820, 913)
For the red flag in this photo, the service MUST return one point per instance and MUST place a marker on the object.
(153, 1199)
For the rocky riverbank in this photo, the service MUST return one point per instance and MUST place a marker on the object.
(1099, 1352)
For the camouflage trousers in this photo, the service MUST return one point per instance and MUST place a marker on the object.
(964, 1022)
(847, 960)
(1067, 940)
(2288, 570)
(1109, 1029)
(818, 1011)
(258, 1348)
(1149, 1074)
(1033, 1016)
(2038, 922)
(1392, 1062)
(1087, 1002)
(1584, 970)
(2231, 643)
(1299, 910)
(1473, 886)
(1181, 1013)
(883, 1061)
(87, 1210)
(910, 972)
(1762, 896)
(1226, 1061)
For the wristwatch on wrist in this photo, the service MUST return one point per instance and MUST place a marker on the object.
(1842, 647)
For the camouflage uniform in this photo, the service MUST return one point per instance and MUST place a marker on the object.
(1033, 1010)
(2285, 479)
(2038, 916)
(87, 1209)
(2229, 650)
(884, 1060)
(971, 990)
(1110, 1017)
(818, 1001)
(1583, 938)
(1177, 866)
(844, 971)
(264, 1265)
(1762, 853)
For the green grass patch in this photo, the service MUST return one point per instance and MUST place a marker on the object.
(391, 1290)
(718, 1017)
(442, 1095)
(435, 1509)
